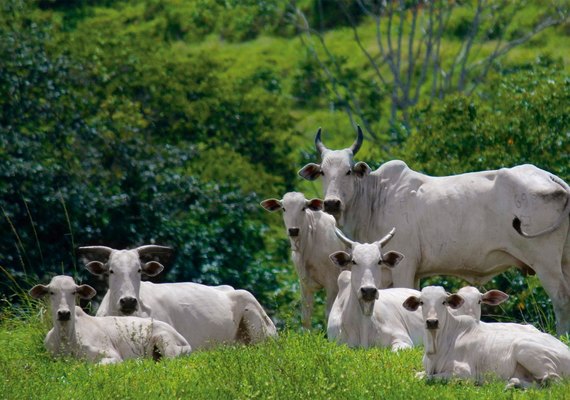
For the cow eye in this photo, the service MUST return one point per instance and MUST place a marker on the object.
(51, 293)
(140, 270)
(283, 209)
(111, 271)
(349, 172)
(322, 173)
(444, 302)
(421, 303)
(353, 262)
(304, 208)
(479, 302)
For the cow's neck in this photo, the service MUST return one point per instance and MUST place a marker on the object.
(360, 217)
(355, 324)
(65, 336)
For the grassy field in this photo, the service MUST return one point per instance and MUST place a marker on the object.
(294, 366)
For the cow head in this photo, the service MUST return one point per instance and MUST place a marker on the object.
(339, 174)
(366, 262)
(434, 301)
(294, 207)
(62, 291)
(124, 269)
(473, 299)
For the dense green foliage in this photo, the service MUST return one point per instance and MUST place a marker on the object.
(131, 122)
(111, 151)
(294, 366)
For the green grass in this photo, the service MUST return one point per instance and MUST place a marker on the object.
(294, 366)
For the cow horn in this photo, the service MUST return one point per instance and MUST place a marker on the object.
(318, 143)
(358, 142)
(387, 238)
(94, 253)
(342, 237)
(152, 250)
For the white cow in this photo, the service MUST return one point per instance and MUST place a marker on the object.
(364, 316)
(463, 347)
(204, 315)
(312, 237)
(102, 339)
(473, 299)
(458, 225)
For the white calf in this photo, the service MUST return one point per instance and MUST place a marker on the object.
(466, 348)
(102, 339)
(312, 237)
(364, 316)
(473, 299)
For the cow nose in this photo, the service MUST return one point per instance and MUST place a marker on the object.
(332, 206)
(63, 315)
(368, 293)
(432, 323)
(128, 304)
(293, 232)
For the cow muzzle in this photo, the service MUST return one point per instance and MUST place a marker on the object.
(128, 305)
(368, 293)
(333, 206)
(63, 315)
(432, 323)
(293, 232)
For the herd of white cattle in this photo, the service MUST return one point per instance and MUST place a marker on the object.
(367, 244)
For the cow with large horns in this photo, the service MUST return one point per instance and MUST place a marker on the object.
(204, 315)
(458, 225)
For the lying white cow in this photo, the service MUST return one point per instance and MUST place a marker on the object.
(204, 315)
(463, 347)
(362, 314)
(473, 299)
(312, 237)
(102, 339)
(460, 225)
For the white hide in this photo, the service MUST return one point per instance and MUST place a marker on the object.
(312, 237)
(205, 316)
(460, 225)
(460, 346)
(103, 339)
(363, 315)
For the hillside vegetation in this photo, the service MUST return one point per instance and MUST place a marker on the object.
(166, 121)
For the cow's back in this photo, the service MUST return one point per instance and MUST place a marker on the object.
(201, 314)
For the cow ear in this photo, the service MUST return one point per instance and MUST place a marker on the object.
(310, 171)
(315, 204)
(341, 258)
(85, 291)
(494, 297)
(392, 258)
(38, 291)
(271, 205)
(152, 268)
(361, 169)
(412, 303)
(454, 301)
(97, 268)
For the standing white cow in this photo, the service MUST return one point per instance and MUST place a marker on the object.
(204, 315)
(463, 347)
(454, 225)
(362, 314)
(312, 237)
(102, 339)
